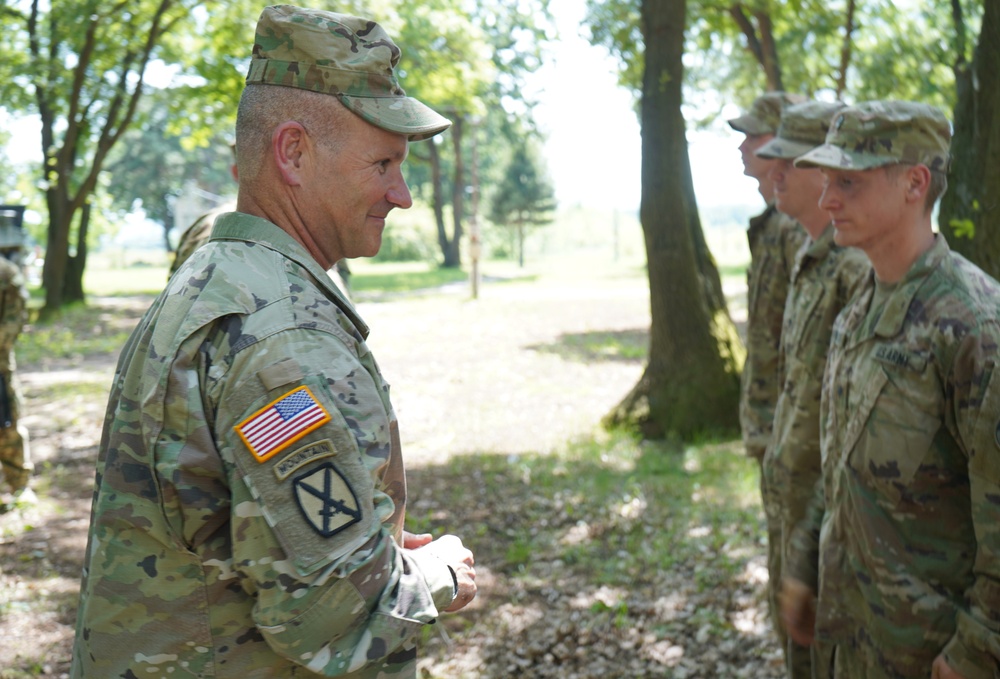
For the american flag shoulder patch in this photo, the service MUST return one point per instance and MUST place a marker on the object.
(281, 423)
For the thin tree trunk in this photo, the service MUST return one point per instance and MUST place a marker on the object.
(452, 253)
(845, 50)
(437, 192)
(76, 264)
(760, 43)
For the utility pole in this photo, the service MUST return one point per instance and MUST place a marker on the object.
(475, 244)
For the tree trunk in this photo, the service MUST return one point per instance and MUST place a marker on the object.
(437, 190)
(56, 248)
(76, 264)
(520, 242)
(691, 384)
(970, 209)
(845, 50)
(760, 42)
(452, 254)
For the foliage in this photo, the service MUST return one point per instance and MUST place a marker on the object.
(472, 71)
(82, 66)
(896, 51)
(401, 244)
(152, 164)
(524, 199)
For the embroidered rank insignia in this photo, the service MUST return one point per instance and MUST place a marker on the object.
(281, 423)
(326, 500)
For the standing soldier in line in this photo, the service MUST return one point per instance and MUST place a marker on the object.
(774, 240)
(14, 448)
(825, 277)
(906, 524)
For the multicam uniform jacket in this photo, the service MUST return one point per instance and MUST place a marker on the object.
(250, 491)
(15, 457)
(824, 279)
(909, 546)
(774, 240)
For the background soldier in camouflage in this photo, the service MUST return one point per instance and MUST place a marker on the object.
(825, 277)
(909, 574)
(198, 232)
(248, 515)
(774, 239)
(15, 453)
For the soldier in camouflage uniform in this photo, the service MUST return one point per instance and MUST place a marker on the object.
(250, 499)
(824, 278)
(774, 239)
(906, 524)
(15, 455)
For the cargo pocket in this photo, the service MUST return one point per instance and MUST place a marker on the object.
(897, 420)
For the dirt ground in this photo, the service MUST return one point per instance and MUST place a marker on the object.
(513, 372)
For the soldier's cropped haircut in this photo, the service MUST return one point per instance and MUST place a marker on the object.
(264, 107)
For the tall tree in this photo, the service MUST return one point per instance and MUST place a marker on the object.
(691, 383)
(524, 198)
(82, 66)
(970, 212)
(85, 68)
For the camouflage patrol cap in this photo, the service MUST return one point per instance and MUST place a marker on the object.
(803, 128)
(765, 113)
(877, 133)
(342, 55)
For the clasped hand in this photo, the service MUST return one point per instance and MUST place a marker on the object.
(449, 548)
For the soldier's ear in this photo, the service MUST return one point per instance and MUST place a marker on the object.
(288, 147)
(918, 181)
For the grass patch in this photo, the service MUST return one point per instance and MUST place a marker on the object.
(78, 331)
(133, 280)
(609, 345)
(733, 271)
(401, 277)
(612, 509)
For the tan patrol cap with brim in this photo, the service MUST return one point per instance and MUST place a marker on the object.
(878, 133)
(765, 113)
(803, 127)
(346, 56)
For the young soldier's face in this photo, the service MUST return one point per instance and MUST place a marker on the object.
(797, 190)
(753, 165)
(865, 206)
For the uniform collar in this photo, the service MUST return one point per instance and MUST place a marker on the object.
(819, 248)
(252, 229)
(896, 307)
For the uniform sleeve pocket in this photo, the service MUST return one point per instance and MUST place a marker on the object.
(984, 451)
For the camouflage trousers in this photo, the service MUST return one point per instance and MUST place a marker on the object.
(15, 455)
(773, 566)
(798, 659)
(846, 663)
